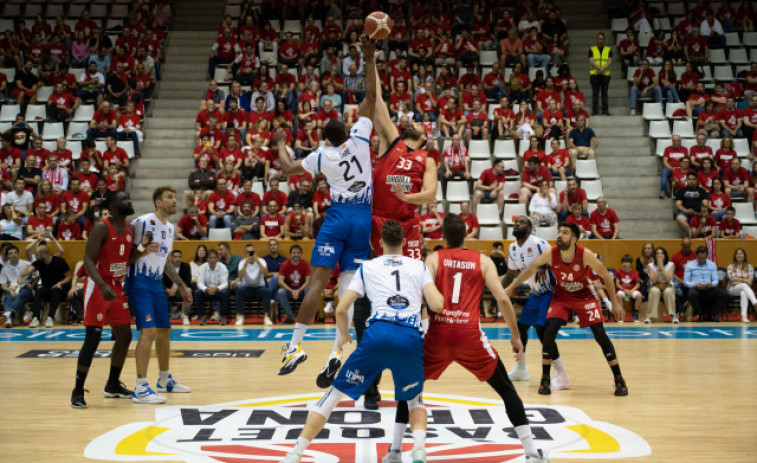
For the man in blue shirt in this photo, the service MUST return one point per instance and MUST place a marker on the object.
(273, 263)
(582, 141)
(701, 279)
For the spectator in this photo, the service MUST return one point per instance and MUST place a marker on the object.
(661, 273)
(294, 276)
(708, 175)
(749, 121)
(511, 49)
(223, 52)
(604, 222)
(707, 120)
(55, 275)
(231, 262)
(452, 121)
(21, 200)
(212, 285)
(724, 154)
(273, 263)
(456, 160)
(528, 125)
(68, 229)
(246, 226)
(578, 216)
(503, 124)
(221, 206)
(730, 227)
(471, 221)
(27, 84)
(668, 81)
(740, 278)
(490, 186)
(58, 176)
(656, 48)
(252, 286)
(582, 141)
(558, 161)
(644, 81)
(202, 178)
(713, 30)
(689, 84)
(246, 194)
(75, 200)
(39, 225)
(736, 179)
(116, 86)
(272, 224)
(297, 224)
(670, 160)
(629, 50)
(600, 61)
(172, 289)
(431, 222)
(536, 51)
(544, 206)
(354, 86)
(192, 225)
(103, 123)
(703, 225)
(688, 200)
(30, 173)
(16, 291)
(697, 49)
(731, 119)
(60, 105)
(678, 177)
(91, 86)
(628, 283)
(532, 175)
(130, 127)
(701, 279)
(10, 157)
(277, 195)
(751, 81)
(477, 123)
(307, 140)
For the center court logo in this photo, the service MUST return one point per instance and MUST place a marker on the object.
(463, 429)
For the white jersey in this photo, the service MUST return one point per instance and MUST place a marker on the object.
(347, 167)
(148, 270)
(520, 257)
(394, 286)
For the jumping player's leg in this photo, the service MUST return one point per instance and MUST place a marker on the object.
(516, 413)
(600, 335)
(334, 362)
(361, 313)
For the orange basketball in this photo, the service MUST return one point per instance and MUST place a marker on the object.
(378, 25)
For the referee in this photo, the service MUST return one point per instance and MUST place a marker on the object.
(600, 60)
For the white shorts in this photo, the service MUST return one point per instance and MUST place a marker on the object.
(636, 293)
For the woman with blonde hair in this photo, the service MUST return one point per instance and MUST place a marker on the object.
(740, 278)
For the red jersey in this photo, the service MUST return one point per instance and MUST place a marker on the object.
(732, 228)
(399, 165)
(272, 224)
(430, 220)
(627, 280)
(69, 232)
(38, 224)
(294, 275)
(572, 278)
(113, 258)
(582, 222)
(459, 279)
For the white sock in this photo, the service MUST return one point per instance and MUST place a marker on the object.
(558, 366)
(607, 302)
(335, 347)
(299, 333)
(521, 364)
(419, 439)
(9, 315)
(164, 374)
(301, 445)
(527, 439)
(142, 382)
(399, 433)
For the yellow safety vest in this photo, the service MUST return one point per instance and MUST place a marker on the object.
(600, 59)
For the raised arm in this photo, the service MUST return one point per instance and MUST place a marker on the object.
(288, 167)
(368, 107)
(430, 184)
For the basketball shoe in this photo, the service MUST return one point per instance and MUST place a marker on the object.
(541, 458)
(327, 376)
(291, 458)
(117, 390)
(170, 385)
(544, 388)
(519, 373)
(620, 386)
(77, 398)
(293, 356)
(561, 381)
(418, 456)
(143, 394)
(394, 456)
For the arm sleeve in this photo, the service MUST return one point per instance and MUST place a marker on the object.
(357, 283)
(687, 281)
(224, 277)
(362, 130)
(714, 275)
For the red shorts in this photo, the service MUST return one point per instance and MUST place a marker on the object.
(99, 312)
(589, 310)
(17, 92)
(413, 239)
(469, 348)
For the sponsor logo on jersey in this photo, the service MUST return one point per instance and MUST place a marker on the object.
(461, 429)
(354, 377)
(326, 249)
(356, 187)
(118, 269)
(576, 267)
(572, 287)
(398, 302)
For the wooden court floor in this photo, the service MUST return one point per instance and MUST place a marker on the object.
(691, 400)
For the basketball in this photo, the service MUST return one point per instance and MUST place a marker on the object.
(378, 25)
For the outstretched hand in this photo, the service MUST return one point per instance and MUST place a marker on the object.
(368, 46)
(279, 138)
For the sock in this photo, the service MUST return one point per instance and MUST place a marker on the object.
(545, 370)
(80, 378)
(527, 439)
(301, 445)
(558, 365)
(299, 333)
(115, 374)
(335, 347)
(521, 363)
(9, 315)
(142, 382)
(616, 370)
(419, 439)
(164, 375)
(607, 302)
(399, 433)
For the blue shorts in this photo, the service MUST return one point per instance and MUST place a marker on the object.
(534, 313)
(150, 308)
(343, 237)
(384, 345)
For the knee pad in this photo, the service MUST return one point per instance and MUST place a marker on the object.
(415, 402)
(327, 403)
(600, 335)
(91, 341)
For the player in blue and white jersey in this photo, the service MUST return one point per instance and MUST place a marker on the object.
(395, 285)
(522, 253)
(344, 236)
(147, 298)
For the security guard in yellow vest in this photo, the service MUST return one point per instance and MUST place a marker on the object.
(600, 60)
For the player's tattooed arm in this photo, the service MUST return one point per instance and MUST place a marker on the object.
(288, 167)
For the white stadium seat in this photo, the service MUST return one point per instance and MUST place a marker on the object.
(457, 192)
(479, 149)
(488, 214)
(652, 112)
(586, 169)
(659, 129)
(593, 189)
(490, 233)
(513, 210)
